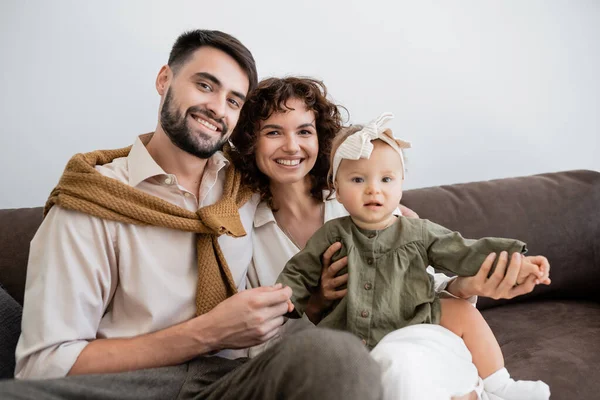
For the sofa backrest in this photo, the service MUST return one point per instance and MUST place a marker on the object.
(17, 227)
(556, 214)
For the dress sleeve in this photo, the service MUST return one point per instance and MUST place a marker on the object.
(449, 251)
(71, 277)
(303, 271)
(440, 285)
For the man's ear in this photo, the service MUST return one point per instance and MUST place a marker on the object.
(163, 79)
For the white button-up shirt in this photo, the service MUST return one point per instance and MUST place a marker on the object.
(90, 278)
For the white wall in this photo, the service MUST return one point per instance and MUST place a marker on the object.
(483, 89)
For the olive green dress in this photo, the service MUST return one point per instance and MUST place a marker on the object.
(388, 286)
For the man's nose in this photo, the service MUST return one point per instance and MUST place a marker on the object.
(217, 106)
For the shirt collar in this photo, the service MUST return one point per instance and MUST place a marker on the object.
(263, 215)
(217, 161)
(142, 166)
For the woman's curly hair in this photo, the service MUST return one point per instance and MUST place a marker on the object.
(269, 97)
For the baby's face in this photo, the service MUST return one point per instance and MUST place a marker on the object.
(371, 189)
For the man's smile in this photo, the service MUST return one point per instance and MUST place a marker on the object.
(204, 122)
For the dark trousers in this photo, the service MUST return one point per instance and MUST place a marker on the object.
(313, 364)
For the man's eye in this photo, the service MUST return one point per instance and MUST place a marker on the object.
(234, 103)
(204, 86)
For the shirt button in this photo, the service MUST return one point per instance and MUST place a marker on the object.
(371, 235)
(364, 341)
(186, 194)
(368, 286)
(168, 180)
(370, 261)
(364, 314)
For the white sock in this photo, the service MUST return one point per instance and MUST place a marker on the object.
(500, 384)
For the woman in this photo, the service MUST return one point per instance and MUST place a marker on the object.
(282, 143)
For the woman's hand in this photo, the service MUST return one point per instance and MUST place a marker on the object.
(407, 212)
(328, 291)
(500, 285)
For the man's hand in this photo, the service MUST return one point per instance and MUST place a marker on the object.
(328, 291)
(502, 284)
(245, 319)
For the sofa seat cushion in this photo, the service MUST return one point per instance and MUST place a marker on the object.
(555, 341)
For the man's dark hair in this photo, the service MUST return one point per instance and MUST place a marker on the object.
(188, 42)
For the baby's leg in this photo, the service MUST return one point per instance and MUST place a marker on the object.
(467, 322)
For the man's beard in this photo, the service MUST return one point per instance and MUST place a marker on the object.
(181, 135)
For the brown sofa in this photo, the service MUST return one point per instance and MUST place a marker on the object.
(552, 334)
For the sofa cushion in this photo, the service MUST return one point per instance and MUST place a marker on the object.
(17, 228)
(555, 341)
(556, 214)
(10, 329)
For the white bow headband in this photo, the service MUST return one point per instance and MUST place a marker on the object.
(358, 145)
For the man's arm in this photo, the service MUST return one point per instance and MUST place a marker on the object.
(72, 275)
(70, 282)
(243, 320)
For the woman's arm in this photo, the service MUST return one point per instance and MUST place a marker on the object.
(500, 285)
(407, 212)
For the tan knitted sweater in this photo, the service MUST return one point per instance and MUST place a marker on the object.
(82, 188)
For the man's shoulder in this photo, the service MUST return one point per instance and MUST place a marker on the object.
(117, 169)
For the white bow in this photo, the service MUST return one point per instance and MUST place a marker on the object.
(358, 145)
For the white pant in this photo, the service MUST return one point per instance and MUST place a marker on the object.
(425, 362)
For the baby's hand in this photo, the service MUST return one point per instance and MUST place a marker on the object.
(290, 306)
(537, 266)
(544, 267)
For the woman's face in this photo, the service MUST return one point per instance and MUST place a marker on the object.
(287, 145)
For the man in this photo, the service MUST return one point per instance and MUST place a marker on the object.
(131, 271)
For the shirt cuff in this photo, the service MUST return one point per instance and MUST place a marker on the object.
(52, 362)
(444, 294)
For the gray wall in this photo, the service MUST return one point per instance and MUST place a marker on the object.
(483, 89)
